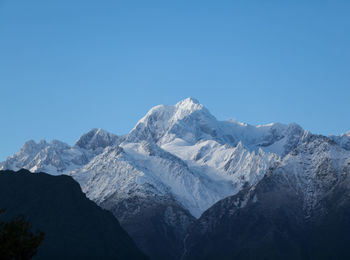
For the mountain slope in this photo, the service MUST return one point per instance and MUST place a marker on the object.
(299, 210)
(74, 227)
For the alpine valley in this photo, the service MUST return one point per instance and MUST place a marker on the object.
(187, 186)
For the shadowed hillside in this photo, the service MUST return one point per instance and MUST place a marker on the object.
(74, 226)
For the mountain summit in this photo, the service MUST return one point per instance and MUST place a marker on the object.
(96, 139)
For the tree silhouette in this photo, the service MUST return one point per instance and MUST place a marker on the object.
(17, 241)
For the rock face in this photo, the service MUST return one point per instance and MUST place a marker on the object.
(74, 226)
(179, 161)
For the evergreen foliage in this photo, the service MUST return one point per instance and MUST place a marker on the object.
(17, 241)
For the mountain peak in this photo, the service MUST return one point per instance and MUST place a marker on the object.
(189, 104)
(186, 119)
(175, 112)
(31, 146)
(96, 138)
(189, 100)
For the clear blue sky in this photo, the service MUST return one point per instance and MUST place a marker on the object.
(68, 66)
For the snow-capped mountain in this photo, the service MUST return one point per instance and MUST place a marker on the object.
(176, 163)
(180, 151)
(55, 157)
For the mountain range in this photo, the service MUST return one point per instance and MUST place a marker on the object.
(181, 181)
